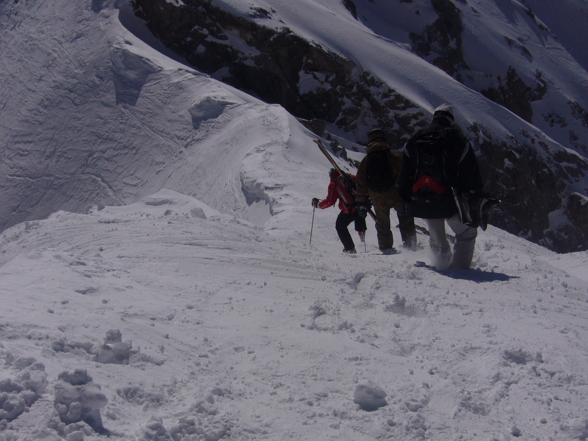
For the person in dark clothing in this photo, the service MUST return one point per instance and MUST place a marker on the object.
(337, 191)
(438, 166)
(383, 200)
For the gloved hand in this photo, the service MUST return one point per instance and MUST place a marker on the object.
(362, 210)
(315, 202)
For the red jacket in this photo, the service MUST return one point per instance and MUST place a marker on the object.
(337, 191)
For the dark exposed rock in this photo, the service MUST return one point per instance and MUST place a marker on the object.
(350, 7)
(281, 67)
(531, 187)
(520, 47)
(440, 42)
(579, 113)
(513, 94)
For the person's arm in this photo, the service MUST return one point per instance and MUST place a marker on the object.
(361, 190)
(331, 198)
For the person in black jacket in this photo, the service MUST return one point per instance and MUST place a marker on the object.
(438, 167)
(384, 199)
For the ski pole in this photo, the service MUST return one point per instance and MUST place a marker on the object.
(311, 226)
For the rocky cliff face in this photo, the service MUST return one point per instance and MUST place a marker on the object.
(538, 203)
(324, 89)
(440, 43)
(280, 67)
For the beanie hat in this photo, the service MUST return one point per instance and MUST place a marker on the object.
(377, 134)
(444, 111)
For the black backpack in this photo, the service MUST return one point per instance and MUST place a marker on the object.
(433, 172)
(378, 171)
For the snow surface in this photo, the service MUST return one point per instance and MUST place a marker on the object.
(204, 311)
(232, 332)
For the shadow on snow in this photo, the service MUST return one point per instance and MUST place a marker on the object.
(475, 275)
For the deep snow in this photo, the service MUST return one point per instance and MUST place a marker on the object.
(203, 312)
(232, 332)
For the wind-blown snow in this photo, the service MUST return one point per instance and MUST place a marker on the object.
(204, 311)
(235, 333)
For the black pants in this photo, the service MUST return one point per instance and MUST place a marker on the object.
(343, 221)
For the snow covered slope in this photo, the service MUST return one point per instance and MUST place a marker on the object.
(539, 39)
(108, 120)
(193, 305)
(93, 113)
(195, 325)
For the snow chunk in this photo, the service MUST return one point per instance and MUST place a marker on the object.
(20, 393)
(579, 429)
(369, 397)
(78, 398)
(114, 350)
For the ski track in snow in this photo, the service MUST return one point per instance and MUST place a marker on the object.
(252, 336)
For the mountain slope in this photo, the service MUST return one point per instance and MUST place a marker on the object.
(349, 66)
(227, 332)
(86, 70)
(199, 307)
(111, 121)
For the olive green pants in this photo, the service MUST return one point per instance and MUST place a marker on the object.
(384, 231)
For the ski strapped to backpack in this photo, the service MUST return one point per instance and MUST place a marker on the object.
(349, 185)
(348, 181)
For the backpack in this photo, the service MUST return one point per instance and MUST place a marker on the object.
(378, 172)
(432, 174)
(349, 185)
(433, 197)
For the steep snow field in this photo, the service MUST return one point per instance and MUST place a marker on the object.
(230, 332)
(199, 309)
(496, 35)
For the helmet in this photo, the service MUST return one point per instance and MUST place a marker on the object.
(444, 111)
(376, 134)
(332, 172)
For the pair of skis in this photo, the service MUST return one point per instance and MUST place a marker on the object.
(345, 176)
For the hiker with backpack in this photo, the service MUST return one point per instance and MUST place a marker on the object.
(376, 179)
(438, 168)
(341, 189)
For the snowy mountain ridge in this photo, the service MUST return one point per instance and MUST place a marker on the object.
(163, 284)
(94, 81)
(346, 67)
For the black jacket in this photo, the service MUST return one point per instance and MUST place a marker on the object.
(461, 171)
